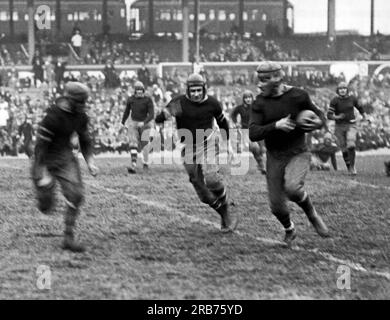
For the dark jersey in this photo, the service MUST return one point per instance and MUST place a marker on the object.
(266, 111)
(55, 131)
(195, 116)
(346, 106)
(244, 111)
(142, 109)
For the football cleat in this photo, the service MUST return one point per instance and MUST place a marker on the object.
(290, 237)
(229, 220)
(70, 244)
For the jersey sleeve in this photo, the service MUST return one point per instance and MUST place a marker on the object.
(222, 122)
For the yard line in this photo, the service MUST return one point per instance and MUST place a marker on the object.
(193, 219)
(158, 205)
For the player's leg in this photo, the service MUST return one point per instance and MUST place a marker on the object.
(351, 136)
(44, 184)
(294, 180)
(277, 197)
(258, 153)
(340, 134)
(133, 145)
(69, 177)
(146, 135)
(215, 183)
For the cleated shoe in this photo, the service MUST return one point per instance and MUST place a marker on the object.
(319, 225)
(290, 237)
(352, 171)
(229, 220)
(131, 170)
(70, 244)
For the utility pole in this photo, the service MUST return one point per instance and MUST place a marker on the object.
(31, 29)
(185, 46)
(196, 33)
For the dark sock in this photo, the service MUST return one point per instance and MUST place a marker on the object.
(346, 159)
(307, 206)
(352, 156)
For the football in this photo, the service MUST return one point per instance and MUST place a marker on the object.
(305, 117)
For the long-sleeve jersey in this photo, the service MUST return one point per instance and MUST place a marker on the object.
(142, 109)
(345, 105)
(55, 131)
(266, 111)
(244, 111)
(193, 116)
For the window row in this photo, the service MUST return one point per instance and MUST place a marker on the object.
(220, 15)
(70, 16)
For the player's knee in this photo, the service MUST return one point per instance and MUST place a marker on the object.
(294, 191)
(45, 202)
(74, 199)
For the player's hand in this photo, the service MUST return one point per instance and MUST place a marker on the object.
(310, 125)
(285, 124)
(93, 169)
(341, 116)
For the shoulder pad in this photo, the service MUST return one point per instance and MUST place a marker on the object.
(63, 104)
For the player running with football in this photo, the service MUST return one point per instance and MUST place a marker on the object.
(342, 110)
(243, 110)
(272, 119)
(140, 125)
(54, 159)
(195, 113)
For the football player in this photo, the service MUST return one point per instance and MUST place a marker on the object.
(342, 110)
(54, 159)
(242, 110)
(195, 112)
(139, 126)
(272, 119)
(322, 152)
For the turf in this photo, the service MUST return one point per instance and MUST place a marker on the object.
(148, 237)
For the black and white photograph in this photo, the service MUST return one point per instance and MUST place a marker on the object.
(207, 152)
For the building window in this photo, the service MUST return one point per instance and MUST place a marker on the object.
(202, 17)
(222, 15)
(15, 16)
(70, 17)
(177, 15)
(26, 17)
(123, 13)
(254, 14)
(232, 16)
(3, 15)
(264, 17)
(192, 17)
(165, 15)
(83, 16)
(212, 14)
(245, 16)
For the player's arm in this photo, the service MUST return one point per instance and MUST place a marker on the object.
(333, 160)
(45, 135)
(222, 122)
(171, 110)
(234, 115)
(331, 114)
(308, 104)
(150, 116)
(358, 106)
(86, 146)
(127, 111)
(257, 129)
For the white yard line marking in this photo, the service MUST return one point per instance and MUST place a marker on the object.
(193, 219)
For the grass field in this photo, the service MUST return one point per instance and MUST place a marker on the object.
(148, 237)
